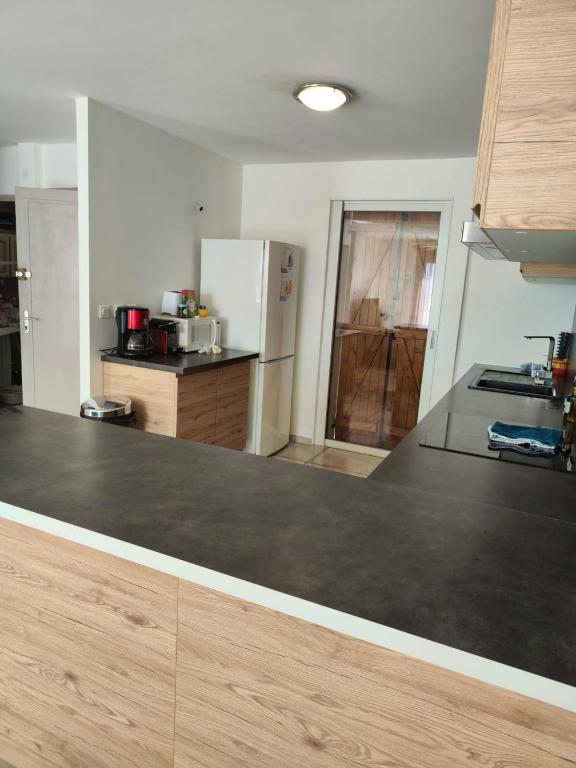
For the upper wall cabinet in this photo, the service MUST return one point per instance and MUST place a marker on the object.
(525, 193)
(538, 86)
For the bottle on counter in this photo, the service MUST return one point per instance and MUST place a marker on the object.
(182, 305)
(191, 303)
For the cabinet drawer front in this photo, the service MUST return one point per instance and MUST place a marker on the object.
(198, 421)
(233, 433)
(233, 377)
(233, 392)
(538, 91)
(196, 388)
(234, 404)
(199, 432)
(532, 186)
(197, 405)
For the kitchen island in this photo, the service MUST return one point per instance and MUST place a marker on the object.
(193, 396)
(274, 567)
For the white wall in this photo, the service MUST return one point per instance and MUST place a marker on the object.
(58, 165)
(37, 165)
(139, 229)
(500, 307)
(487, 309)
(291, 202)
(8, 169)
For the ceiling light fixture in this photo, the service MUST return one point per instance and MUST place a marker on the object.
(323, 97)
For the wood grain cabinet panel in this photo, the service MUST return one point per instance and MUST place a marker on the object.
(258, 688)
(491, 99)
(233, 377)
(532, 186)
(197, 401)
(108, 664)
(538, 90)
(526, 172)
(87, 656)
(153, 394)
(542, 270)
(206, 407)
(232, 411)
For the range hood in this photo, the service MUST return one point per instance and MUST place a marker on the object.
(478, 241)
(551, 246)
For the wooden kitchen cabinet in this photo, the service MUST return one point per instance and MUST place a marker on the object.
(232, 406)
(526, 173)
(197, 407)
(87, 656)
(206, 407)
(538, 89)
(105, 663)
(534, 270)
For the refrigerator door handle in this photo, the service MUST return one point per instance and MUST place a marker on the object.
(214, 334)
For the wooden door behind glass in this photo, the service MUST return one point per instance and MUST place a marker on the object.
(386, 274)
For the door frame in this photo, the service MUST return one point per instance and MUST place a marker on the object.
(337, 210)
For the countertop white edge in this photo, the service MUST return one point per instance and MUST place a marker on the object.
(488, 671)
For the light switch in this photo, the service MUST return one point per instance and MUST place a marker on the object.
(104, 311)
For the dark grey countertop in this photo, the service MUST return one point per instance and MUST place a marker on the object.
(538, 491)
(183, 363)
(472, 553)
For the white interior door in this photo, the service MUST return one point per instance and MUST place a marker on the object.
(47, 230)
(274, 405)
(280, 301)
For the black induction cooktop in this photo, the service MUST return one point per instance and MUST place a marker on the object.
(466, 433)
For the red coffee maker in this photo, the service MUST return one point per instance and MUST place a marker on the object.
(134, 338)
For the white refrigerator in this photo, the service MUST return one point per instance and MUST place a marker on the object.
(252, 285)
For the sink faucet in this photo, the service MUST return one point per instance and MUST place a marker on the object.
(552, 342)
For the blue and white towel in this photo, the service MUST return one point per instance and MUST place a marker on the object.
(534, 441)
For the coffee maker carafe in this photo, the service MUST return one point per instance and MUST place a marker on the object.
(134, 338)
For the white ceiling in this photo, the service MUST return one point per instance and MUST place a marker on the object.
(221, 72)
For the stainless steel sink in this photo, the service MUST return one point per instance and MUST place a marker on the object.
(511, 384)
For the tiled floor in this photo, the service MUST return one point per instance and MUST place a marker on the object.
(333, 459)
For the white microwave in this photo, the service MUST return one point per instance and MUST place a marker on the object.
(196, 332)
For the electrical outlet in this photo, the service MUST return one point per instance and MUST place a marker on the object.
(104, 312)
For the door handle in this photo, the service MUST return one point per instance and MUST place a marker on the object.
(213, 334)
(26, 321)
(23, 273)
(432, 339)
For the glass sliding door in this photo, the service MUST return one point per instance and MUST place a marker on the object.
(385, 281)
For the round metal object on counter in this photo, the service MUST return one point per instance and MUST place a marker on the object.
(112, 411)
